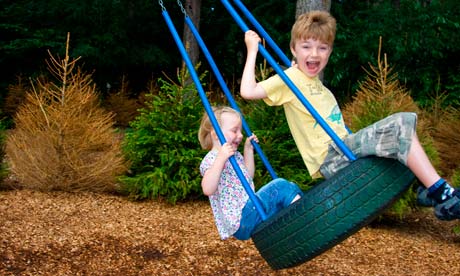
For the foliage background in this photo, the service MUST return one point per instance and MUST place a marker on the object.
(120, 37)
(127, 42)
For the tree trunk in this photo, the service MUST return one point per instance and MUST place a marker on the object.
(193, 8)
(304, 6)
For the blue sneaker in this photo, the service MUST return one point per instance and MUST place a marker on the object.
(449, 209)
(423, 199)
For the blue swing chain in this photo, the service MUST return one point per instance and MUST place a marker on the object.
(182, 8)
(160, 2)
(226, 91)
(207, 106)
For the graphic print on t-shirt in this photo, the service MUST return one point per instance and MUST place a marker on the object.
(335, 116)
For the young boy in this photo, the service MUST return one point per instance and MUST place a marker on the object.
(312, 38)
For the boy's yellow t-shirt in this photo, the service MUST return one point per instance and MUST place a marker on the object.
(310, 138)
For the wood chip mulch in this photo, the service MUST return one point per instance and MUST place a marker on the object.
(58, 233)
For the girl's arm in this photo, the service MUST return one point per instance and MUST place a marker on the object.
(211, 177)
(249, 155)
(249, 88)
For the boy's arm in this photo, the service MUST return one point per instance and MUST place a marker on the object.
(249, 88)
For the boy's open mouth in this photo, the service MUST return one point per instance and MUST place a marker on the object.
(312, 64)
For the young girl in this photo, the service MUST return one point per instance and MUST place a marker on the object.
(234, 214)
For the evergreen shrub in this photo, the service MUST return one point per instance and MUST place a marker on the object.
(162, 144)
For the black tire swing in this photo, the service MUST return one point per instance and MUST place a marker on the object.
(329, 212)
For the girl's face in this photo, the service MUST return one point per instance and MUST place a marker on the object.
(231, 128)
(312, 56)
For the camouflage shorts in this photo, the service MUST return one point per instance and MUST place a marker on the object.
(390, 137)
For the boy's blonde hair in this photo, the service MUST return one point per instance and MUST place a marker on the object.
(204, 133)
(319, 25)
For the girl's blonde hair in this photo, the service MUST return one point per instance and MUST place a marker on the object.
(319, 25)
(204, 133)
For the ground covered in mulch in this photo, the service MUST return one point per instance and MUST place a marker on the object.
(57, 233)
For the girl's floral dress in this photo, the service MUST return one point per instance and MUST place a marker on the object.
(230, 197)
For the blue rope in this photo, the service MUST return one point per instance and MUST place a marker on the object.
(210, 113)
(229, 96)
(348, 153)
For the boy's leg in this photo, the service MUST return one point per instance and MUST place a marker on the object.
(395, 137)
(419, 163)
(390, 137)
(438, 193)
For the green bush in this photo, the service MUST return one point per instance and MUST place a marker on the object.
(163, 146)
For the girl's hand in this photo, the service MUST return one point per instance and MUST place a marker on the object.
(247, 143)
(226, 151)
